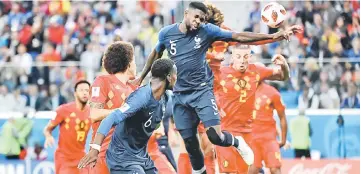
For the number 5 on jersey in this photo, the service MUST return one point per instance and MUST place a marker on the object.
(173, 50)
(214, 105)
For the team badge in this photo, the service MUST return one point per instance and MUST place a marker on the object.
(242, 83)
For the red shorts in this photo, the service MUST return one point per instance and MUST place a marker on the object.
(268, 151)
(230, 161)
(64, 165)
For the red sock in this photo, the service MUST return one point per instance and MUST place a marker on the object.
(184, 164)
(209, 162)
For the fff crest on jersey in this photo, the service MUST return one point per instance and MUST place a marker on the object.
(242, 83)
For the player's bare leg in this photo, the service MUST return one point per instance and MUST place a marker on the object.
(275, 170)
(208, 151)
(223, 138)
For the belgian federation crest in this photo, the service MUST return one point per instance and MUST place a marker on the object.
(242, 83)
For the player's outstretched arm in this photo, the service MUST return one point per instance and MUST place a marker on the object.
(250, 38)
(153, 56)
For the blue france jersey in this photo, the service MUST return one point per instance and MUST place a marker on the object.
(135, 122)
(188, 51)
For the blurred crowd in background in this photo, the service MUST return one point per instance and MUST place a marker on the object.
(46, 46)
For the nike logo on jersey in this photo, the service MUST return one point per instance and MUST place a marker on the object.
(172, 41)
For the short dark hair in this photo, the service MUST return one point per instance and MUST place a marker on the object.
(118, 57)
(162, 67)
(80, 82)
(198, 5)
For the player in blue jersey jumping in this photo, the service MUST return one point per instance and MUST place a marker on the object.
(187, 43)
(135, 122)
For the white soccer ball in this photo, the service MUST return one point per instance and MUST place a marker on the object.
(273, 14)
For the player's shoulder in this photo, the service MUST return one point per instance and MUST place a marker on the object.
(103, 78)
(256, 67)
(141, 94)
(210, 28)
(66, 106)
(165, 30)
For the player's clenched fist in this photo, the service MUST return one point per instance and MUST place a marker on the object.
(278, 59)
(89, 159)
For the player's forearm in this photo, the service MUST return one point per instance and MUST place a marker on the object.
(99, 138)
(154, 55)
(285, 71)
(99, 114)
(249, 37)
(283, 123)
(263, 42)
(113, 119)
(48, 129)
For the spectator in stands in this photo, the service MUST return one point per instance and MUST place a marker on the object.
(90, 60)
(7, 100)
(334, 71)
(20, 101)
(56, 99)
(301, 132)
(295, 72)
(311, 72)
(16, 17)
(56, 30)
(307, 12)
(37, 153)
(23, 60)
(329, 98)
(255, 16)
(308, 99)
(330, 13)
(353, 99)
(32, 97)
(13, 137)
(49, 54)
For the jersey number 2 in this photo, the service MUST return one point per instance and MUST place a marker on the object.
(242, 97)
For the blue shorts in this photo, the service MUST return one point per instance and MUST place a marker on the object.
(134, 169)
(193, 106)
(125, 162)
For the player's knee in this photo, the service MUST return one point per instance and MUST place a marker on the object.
(213, 137)
(274, 170)
(192, 145)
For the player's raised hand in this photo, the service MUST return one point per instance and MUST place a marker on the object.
(49, 142)
(295, 29)
(278, 59)
(89, 159)
(286, 34)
